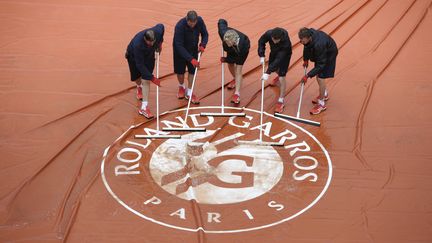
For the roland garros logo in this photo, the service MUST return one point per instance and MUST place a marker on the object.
(209, 181)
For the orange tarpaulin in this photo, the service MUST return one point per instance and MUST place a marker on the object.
(66, 97)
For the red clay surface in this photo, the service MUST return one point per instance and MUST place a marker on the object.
(66, 96)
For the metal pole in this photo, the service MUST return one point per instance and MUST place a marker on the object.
(157, 92)
(223, 81)
(190, 97)
(262, 102)
(301, 95)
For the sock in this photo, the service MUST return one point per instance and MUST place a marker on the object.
(144, 105)
(325, 93)
(237, 93)
(281, 100)
(182, 85)
(321, 102)
(189, 92)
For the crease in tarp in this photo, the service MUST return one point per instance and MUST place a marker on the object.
(99, 101)
(356, 10)
(61, 217)
(348, 67)
(371, 84)
(365, 224)
(64, 230)
(198, 216)
(10, 197)
(390, 177)
(394, 25)
(365, 208)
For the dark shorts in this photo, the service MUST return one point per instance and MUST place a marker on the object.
(329, 68)
(180, 64)
(238, 59)
(283, 65)
(134, 72)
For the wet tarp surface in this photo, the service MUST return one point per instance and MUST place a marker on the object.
(66, 97)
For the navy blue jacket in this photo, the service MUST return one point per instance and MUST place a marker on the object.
(281, 50)
(321, 49)
(232, 52)
(186, 39)
(141, 53)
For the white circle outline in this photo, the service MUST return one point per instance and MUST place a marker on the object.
(221, 231)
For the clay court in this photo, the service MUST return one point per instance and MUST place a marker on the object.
(72, 169)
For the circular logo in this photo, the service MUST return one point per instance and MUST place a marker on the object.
(225, 179)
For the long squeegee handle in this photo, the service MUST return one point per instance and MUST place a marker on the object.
(192, 90)
(301, 94)
(157, 91)
(262, 102)
(223, 82)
